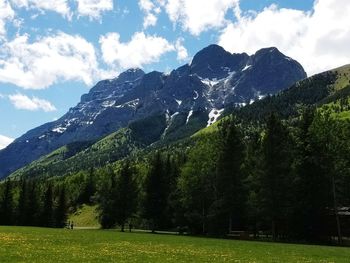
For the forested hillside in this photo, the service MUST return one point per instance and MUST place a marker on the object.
(276, 169)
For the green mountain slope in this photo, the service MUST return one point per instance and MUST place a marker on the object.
(110, 148)
(327, 88)
(317, 90)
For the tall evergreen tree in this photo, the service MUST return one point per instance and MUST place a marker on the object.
(196, 184)
(22, 205)
(125, 195)
(61, 209)
(33, 205)
(275, 179)
(6, 205)
(47, 209)
(230, 192)
(311, 186)
(333, 154)
(155, 193)
(106, 199)
(89, 187)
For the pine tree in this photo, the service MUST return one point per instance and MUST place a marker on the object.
(6, 205)
(230, 194)
(155, 200)
(125, 195)
(311, 187)
(275, 178)
(106, 199)
(47, 209)
(196, 184)
(61, 209)
(22, 205)
(33, 206)
(89, 188)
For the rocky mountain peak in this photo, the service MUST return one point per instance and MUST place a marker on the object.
(130, 75)
(185, 100)
(215, 62)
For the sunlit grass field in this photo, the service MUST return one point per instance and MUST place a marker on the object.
(25, 244)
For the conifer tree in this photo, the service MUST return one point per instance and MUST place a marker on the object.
(61, 209)
(125, 195)
(22, 205)
(230, 195)
(6, 205)
(311, 187)
(275, 178)
(47, 209)
(106, 199)
(33, 205)
(155, 193)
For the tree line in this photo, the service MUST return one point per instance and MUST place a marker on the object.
(280, 179)
(33, 203)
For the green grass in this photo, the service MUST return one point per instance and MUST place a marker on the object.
(85, 216)
(24, 244)
(343, 79)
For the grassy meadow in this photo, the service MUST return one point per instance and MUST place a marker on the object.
(27, 244)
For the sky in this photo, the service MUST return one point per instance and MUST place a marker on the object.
(53, 51)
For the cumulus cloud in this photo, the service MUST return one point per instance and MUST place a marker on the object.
(6, 14)
(197, 16)
(182, 53)
(94, 8)
(318, 39)
(151, 11)
(44, 62)
(23, 102)
(91, 8)
(4, 141)
(58, 6)
(140, 50)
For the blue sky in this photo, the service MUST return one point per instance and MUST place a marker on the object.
(51, 52)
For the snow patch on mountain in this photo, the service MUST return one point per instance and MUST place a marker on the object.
(59, 129)
(190, 113)
(179, 102)
(213, 116)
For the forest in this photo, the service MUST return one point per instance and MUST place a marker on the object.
(272, 178)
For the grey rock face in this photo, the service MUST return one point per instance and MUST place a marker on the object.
(214, 80)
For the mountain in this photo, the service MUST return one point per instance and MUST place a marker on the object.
(160, 106)
(320, 89)
(326, 89)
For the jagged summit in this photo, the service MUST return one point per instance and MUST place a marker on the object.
(215, 62)
(130, 75)
(189, 98)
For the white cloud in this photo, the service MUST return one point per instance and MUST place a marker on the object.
(23, 102)
(4, 141)
(6, 14)
(182, 53)
(91, 8)
(140, 50)
(319, 40)
(151, 12)
(197, 16)
(42, 63)
(94, 8)
(58, 6)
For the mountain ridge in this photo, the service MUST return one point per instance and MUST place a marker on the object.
(326, 87)
(196, 92)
